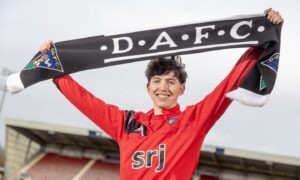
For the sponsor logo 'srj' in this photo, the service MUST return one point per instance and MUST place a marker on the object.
(145, 158)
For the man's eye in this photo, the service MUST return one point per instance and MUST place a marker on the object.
(171, 82)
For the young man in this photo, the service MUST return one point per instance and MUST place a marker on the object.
(165, 142)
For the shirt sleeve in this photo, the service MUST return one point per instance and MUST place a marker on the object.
(108, 117)
(206, 112)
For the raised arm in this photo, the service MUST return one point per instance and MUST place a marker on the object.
(212, 107)
(208, 111)
(106, 116)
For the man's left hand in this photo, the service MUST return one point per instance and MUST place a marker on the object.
(273, 16)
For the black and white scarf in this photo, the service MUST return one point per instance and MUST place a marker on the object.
(96, 52)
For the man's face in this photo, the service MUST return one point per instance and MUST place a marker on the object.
(164, 90)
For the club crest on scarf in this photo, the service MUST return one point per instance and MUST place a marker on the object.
(272, 62)
(262, 84)
(47, 60)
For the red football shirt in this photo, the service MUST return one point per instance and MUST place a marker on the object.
(159, 146)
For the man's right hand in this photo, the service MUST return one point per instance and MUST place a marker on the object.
(45, 46)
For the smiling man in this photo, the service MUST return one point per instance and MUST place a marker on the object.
(165, 142)
(166, 82)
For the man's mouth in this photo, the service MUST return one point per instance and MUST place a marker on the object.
(163, 96)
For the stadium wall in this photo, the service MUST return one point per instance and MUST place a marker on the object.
(19, 150)
(2, 159)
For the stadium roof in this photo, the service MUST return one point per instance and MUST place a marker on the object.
(45, 134)
(250, 161)
(211, 156)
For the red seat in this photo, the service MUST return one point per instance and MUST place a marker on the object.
(103, 171)
(53, 166)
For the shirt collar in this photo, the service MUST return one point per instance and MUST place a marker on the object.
(167, 113)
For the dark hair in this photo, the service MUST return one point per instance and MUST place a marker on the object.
(165, 65)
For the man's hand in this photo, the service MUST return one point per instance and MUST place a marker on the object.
(46, 46)
(273, 16)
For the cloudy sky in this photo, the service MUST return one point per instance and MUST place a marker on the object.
(24, 25)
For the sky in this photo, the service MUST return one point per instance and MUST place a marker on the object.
(24, 25)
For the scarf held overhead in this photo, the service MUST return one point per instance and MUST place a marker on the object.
(96, 52)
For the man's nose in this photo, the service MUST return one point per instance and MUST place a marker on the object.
(164, 86)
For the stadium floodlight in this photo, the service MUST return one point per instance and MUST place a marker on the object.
(4, 72)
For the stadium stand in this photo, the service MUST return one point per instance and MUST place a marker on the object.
(36, 150)
(1, 173)
(1, 164)
(103, 170)
(53, 166)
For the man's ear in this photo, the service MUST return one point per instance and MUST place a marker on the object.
(182, 89)
(148, 87)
